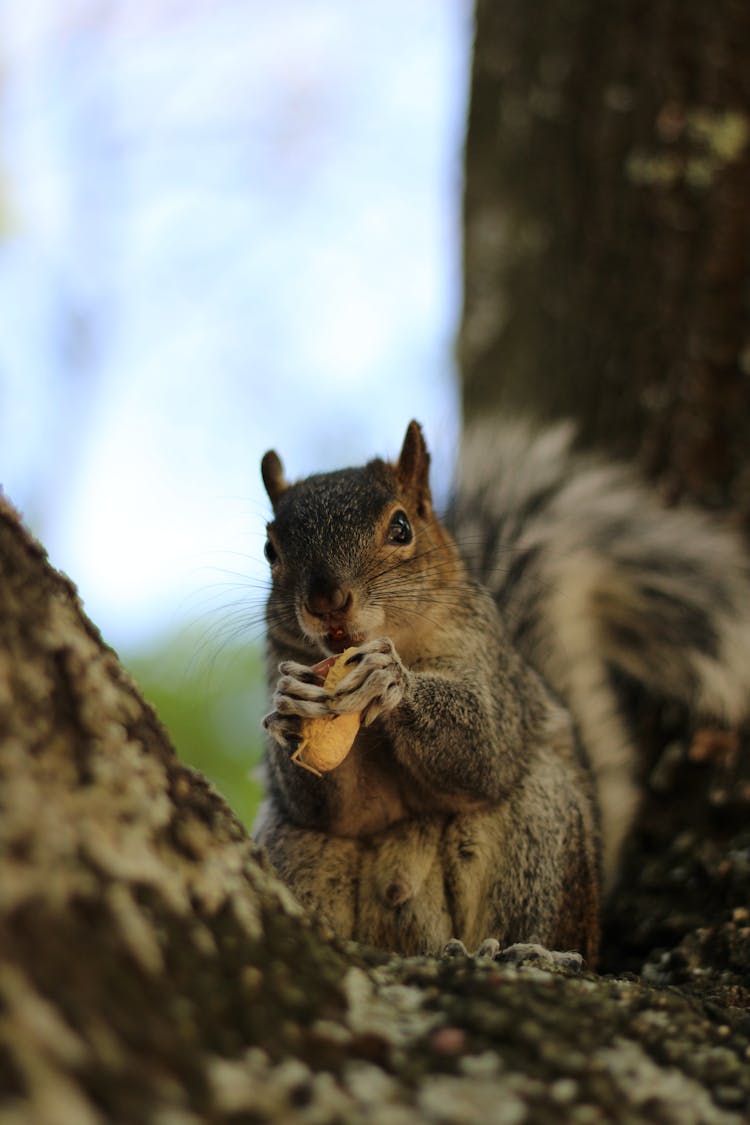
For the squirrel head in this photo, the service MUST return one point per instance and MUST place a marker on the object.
(353, 552)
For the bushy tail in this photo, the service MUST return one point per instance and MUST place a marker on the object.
(595, 576)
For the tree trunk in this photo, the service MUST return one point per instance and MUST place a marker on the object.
(607, 221)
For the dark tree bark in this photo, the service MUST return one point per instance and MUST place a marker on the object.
(607, 220)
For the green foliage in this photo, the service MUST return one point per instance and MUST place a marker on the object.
(211, 704)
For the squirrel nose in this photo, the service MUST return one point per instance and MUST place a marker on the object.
(324, 598)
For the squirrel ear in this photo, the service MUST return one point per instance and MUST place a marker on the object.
(413, 467)
(272, 472)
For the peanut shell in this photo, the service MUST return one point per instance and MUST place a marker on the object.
(326, 742)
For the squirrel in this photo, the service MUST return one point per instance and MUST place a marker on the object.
(493, 781)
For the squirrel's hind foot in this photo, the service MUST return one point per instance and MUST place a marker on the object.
(520, 953)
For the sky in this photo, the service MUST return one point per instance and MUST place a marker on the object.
(224, 226)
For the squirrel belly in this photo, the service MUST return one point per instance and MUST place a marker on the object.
(490, 745)
(412, 888)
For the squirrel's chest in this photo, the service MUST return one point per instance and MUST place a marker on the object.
(368, 789)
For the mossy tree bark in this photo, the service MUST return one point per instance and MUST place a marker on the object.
(607, 222)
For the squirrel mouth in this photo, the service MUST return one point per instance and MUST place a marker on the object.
(338, 639)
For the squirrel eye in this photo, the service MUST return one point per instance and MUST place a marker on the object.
(399, 529)
(272, 555)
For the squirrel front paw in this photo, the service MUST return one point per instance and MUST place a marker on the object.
(375, 685)
(284, 729)
(299, 693)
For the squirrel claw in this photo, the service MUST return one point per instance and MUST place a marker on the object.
(283, 729)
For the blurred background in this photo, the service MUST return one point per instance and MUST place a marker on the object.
(224, 225)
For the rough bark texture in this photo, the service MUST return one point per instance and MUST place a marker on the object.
(152, 970)
(140, 936)
(607, 251)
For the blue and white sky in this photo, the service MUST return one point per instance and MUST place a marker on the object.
(224, 225)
